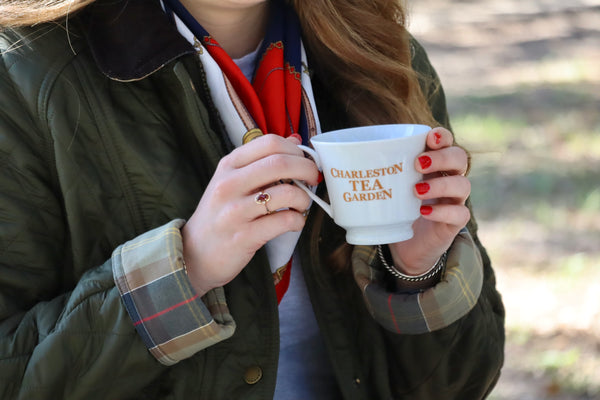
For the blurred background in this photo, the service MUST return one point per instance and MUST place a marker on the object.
(523, 85)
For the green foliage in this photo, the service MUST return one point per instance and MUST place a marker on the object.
(555, 360)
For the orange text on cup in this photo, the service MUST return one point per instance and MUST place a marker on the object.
(365, 183)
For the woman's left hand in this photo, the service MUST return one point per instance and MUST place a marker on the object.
(444, 191)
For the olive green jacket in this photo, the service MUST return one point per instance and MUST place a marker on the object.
(107, 131)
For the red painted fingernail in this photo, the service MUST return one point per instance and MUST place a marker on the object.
(438, 138)
(422, 187)
(320, 177)
(297, 136)
(426, 210)
(425, 162)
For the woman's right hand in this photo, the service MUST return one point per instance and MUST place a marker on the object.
(228, 226)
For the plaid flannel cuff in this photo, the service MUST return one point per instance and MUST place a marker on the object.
(172, 320)
(432, 309)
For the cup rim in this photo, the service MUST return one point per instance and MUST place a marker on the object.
(322, 138)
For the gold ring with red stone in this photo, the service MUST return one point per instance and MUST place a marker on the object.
(263, 198)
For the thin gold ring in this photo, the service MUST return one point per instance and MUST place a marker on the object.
(263, 198)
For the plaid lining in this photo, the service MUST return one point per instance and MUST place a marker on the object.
(171, 319)
(432, 309)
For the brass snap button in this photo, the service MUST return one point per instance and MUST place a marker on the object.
(253, 375)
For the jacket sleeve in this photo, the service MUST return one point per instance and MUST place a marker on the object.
(64, 335)
(170, 317)
(429, 310)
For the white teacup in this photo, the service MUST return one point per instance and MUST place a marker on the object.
(370, 176)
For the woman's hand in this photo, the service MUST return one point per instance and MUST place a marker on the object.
(444, 191)
(229, 226)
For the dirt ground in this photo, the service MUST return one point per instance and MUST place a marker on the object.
(523, 79)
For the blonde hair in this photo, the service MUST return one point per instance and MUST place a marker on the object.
(30, 12)
(364, 51)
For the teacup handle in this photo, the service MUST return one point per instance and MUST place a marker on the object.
(302, 186)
